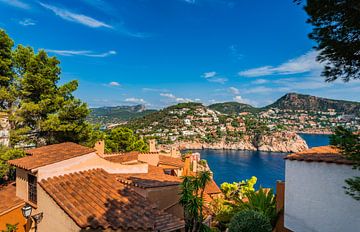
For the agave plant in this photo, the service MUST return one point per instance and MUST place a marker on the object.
(262, 201)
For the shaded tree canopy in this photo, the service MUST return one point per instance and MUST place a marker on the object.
(40, 110)
(122, 139)
(336, 30)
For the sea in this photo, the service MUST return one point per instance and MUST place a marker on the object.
(268, 167)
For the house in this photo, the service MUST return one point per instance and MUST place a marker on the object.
(69, 187)
(315, 199)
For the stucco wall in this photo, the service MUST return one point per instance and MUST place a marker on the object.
(13, 217)
(54, 219)
(22, 183)
(315, 200)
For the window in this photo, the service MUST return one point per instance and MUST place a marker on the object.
(32, 182)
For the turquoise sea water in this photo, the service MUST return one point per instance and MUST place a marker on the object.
(268, 167)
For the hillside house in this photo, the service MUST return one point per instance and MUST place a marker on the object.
(69, 187)
(314, 196)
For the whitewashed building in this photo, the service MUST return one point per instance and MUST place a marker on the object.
(315, 200)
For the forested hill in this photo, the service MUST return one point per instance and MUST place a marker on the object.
(117, 114)
(296, 101)
(233, 108)
(293, 101)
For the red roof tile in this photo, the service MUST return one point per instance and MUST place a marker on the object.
(167, 160)
(94, 199)
(154, 178)
(8, 198)
(122, 157)
(328, 154)
(50, 154)
(212, 188)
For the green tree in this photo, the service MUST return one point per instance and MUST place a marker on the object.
(336, 30)
(40, 110)
(192, 199)
(349, 145)
(237, 190)
(7, 77)
(122, 139)
(249, 221)
(6, 171)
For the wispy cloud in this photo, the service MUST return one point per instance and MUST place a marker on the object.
(173, 98)
(135, 100)
(214, 77)
(75, 17)
(259, 81)
(16, 3)
(27, 22)
(154, 90)
(302, 64)
(234, 52)
(209, 74)
(81, 53)
(114, 83)
(234, 90)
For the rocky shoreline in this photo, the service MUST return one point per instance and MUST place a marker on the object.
(276, 142)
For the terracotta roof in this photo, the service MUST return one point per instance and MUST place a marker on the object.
(212, 188)
(122, 157)
(153, 179)
(167, 160)
(50, 154)
(328, 154)
(94, 199)
(8, 197)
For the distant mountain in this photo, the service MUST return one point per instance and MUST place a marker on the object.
(233, 108)
(117, 114)
(296, 101)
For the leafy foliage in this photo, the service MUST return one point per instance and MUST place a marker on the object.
(263, 202)
(11, 228)
(6, 171)
(249, 221)
(40, 110)
(237, 190)
(336, 30)
(349, 145)
(192, 199)
(122, 139)
(233, 108)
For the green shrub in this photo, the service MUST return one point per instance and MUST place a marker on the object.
(249, 221)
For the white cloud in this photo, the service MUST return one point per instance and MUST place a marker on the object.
(209, 74)
(301, 64)
(234, 52)
(173, 98)
(81, 53)
(259, 81)
(264, 89)
(168, 95)
(154, 90)
(214, 77)
(234, 90)
(114, 83)
(16, 3)
(27, 22)
(220, 80)
(135, 100)
(74, 17)
(190, 1)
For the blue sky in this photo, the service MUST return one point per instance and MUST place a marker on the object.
(161, 52)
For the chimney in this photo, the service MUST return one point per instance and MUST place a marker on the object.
(152, 145)
(100, 147)
(174, 152)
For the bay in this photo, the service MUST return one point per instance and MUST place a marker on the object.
(268, 167)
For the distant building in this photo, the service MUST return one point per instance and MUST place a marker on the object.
(314, 195)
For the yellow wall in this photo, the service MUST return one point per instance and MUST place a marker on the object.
(13, 217)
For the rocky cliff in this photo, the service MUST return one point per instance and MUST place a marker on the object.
(277, 142)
